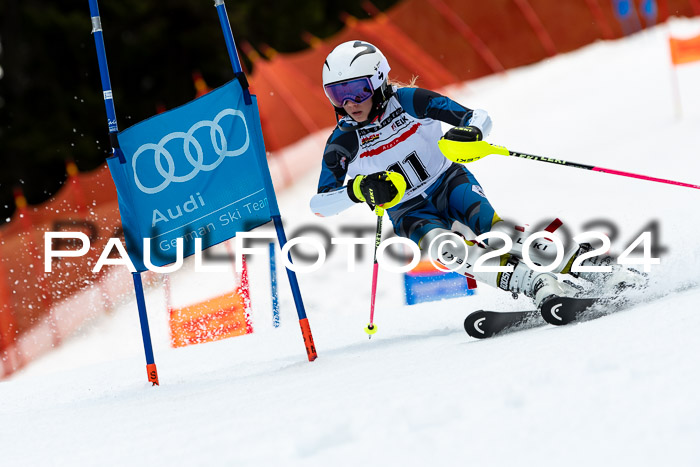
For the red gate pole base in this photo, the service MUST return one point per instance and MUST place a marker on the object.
(308, 339)
(152, 374)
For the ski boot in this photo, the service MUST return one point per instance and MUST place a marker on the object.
(537, 285)
(607, 283)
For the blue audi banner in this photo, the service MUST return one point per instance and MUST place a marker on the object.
(191, 172)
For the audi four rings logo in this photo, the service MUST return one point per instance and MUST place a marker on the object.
(188, 142)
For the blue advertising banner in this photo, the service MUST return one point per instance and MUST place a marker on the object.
(420, 288)
(191, 172)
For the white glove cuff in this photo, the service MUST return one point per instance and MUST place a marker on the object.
(481, 120)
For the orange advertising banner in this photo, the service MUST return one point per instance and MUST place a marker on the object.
(685, 50)
(218, 318)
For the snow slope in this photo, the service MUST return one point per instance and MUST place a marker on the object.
(620, 390)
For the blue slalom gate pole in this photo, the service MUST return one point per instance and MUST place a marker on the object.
(116, 151)
(273, 287)
(267, 179)
(143, 317)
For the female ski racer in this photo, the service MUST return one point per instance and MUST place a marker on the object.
(385, 143)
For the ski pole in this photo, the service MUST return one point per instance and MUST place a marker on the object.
(465, 152)
(371, 328)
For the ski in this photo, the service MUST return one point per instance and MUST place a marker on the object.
(558, 311)
(564, 310)
(482, 323)
(555, 310)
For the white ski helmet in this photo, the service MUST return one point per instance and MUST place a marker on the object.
(356, 70)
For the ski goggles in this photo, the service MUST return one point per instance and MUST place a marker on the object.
(356, 90)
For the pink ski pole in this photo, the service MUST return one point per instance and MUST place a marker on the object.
(600, 169)
(371, 328)
(464, 152)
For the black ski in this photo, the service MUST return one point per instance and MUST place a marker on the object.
(564, 310)
(482, 324)
(555, 310)
(558, 311)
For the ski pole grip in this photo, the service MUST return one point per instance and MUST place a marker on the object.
(470, 151)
